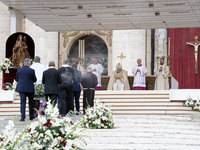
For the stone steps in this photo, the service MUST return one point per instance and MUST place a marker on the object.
(147, 132)
(122, 103)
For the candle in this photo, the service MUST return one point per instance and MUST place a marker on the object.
(83, 48)
(164, 47)
(79, 49)
(169, 46)
(157, 46)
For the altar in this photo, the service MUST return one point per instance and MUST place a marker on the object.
(150, 81)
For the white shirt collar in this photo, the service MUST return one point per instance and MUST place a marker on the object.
(66, 66)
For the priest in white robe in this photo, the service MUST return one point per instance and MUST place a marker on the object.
(79, 67)
(118, 80)
(161, 71)
(97, 69)
(139, 73)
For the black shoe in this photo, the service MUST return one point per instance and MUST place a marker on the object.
(32, 118)
(22, 119)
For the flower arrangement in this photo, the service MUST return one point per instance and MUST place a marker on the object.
(9, 86)
(50, 132)
(189, 101)
(98, 116)
(6, 65)
(195, 104)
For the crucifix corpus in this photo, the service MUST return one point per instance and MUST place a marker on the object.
(196, 44)
(121, 57)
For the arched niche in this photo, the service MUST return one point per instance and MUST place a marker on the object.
(94, 47)
(67, 39)
(12, 40)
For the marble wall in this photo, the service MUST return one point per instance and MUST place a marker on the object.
(46, 43)
(132, 43)
(4, 32)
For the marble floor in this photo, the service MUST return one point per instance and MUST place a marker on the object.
(165, 132)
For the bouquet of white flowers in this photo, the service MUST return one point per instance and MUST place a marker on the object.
(54, 132)
(197, 105)
(6, 65)
(51, 132)
(98, 116)
(189, 102)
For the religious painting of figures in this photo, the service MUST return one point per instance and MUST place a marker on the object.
(18, 47)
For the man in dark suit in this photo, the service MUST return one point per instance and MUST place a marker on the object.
(51, 79)
(26, 77)
(89, 82)
(66, 87)
(76, 86)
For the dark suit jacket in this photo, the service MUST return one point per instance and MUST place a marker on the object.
(77, 80)
(89, 80)
(25, 77)
(67, 75)
(51, 78)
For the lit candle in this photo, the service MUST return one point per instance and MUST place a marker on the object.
(169, 46)
(164, 47)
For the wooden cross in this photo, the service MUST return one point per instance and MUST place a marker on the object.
(121, 57)
(196, 44)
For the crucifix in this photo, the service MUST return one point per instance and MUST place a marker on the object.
(121, 57)
(196, 44)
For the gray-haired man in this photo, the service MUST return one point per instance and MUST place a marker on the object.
(26, 77)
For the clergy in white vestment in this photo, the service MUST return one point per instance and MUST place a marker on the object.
(161, 71)
(79, 67)
(139, 73)
(97, 69)
(118, 80)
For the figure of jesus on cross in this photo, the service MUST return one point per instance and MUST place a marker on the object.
(196, 44)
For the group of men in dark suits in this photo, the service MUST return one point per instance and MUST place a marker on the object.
(62, 84)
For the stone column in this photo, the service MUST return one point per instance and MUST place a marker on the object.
(16, 21)
(5, 32)
(148, 51)
(160, 35)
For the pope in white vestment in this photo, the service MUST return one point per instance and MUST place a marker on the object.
(139, 73)
(97, 69)
(118, 80)
(161, 72)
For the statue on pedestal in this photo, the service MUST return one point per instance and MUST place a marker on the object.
(20, 51)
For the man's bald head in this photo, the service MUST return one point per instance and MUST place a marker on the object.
(139, 61)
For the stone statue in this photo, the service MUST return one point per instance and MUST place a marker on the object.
(20, 51)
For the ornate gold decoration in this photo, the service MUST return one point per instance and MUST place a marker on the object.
(66, 36)
(157, 60)
(196, 44)
(168, 57)
(108, 35)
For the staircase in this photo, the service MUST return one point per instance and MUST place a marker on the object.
(123, 103)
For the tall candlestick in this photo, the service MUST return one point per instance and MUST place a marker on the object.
(164, 47)
(83, 48)
(79, 48)
(169, 46)
(157, 46)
